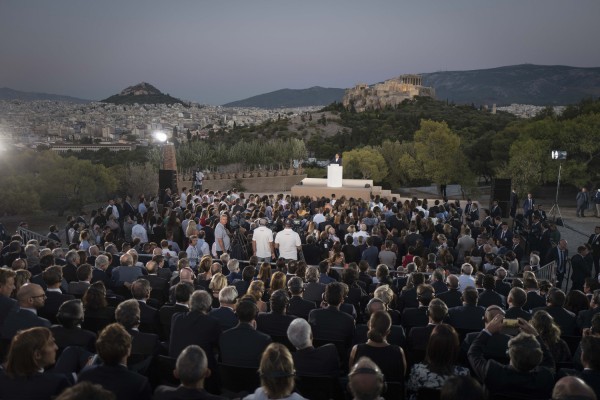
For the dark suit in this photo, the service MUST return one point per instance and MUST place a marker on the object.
(467, 317)
(53, 301)
(226, 317)
(99, 275)
(183, 393)
(313, 291)
(331, 324)
(274, 324)
(495, 347)
(148, 318)
(439, 287)
(563, 318)
(159, 284)
(499, 378)
(320, 361)
(452, 298)
(125, 384)
(165, 314)
(144, 343)
(39, 386)
(534, 300)
(300, 307)
(70, 272)
(419, 337)
(241, 287)
(21, 319)
(74, 337)
(312, 254)
(78, 288)
(412, 317)
(517, 312)
(243, 346)
(490, 297)
(7, 305)
(194, 328)
(503, 288)
(561, 263)
(407, 299)
(589, 376)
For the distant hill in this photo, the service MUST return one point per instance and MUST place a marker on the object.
(142, 93)
(12, 94)
(314, 96)
(525, 84)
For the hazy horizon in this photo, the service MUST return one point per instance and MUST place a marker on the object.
(216, 52)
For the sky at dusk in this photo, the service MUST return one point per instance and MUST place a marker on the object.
(219, 51)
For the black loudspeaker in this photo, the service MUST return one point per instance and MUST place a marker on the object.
(167, 179)
(501, 189)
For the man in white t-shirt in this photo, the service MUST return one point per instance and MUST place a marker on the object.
(288, 242)
(262, 242)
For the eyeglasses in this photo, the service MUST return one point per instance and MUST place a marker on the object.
(38, 296)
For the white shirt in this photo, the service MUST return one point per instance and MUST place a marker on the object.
(357, 234)
(318, 218)
(288, 242)
(138, 231)
(263, 237)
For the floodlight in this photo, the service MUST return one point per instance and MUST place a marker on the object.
(559, 155)
(160, 136)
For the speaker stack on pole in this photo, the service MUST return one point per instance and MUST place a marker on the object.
(501, 189)
(167, 175)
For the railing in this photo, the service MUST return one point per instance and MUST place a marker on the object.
(27, 235)
(547, 272)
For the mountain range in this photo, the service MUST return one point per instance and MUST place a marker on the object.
(524, 84)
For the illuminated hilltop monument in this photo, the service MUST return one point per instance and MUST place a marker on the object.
(389, 93)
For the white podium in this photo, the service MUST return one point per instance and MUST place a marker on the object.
(334, 175)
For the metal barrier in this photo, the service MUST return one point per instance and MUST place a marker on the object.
(547, 272)
(27, 235)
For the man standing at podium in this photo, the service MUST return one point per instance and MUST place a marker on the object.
(337, 159)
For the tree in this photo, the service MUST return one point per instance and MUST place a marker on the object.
(366, 163)
(438, 151)
(527, 160)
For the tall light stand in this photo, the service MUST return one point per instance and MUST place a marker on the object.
(555, 210)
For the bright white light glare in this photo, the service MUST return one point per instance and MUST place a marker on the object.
(160, 136)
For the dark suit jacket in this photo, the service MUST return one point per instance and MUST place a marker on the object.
(495, 347)
(70, 272)
(503, 288)
(99, 275)
(563, 318)
(226, 317)
(466, 317)
(499, 378)
(452, 298)
(148, 318)
(534, 300)
(183, 393)
(39, 386)
(300, 307)
(74, 337)
(78, 288)
(517, 312)
(241, 287)
(125, 384)
(331, 324)
(412, 317)
(407, 299)
(21, 319)
(320, 361)
(194, 328)
(7, 305)
(491, 297)
(243, 346)
(313, 291)
(53, 301)
(274, 324)
(165, 314)
(419, 337)
(440, 287)
(144, 343)
(159, 284)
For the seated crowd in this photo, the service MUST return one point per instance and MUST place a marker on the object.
(215, 295)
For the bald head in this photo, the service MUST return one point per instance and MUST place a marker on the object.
(452, 281)
(31, 295)
(492, 311)
(571, 387)
(365, 379)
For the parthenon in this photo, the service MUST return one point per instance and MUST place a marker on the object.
(389, 93)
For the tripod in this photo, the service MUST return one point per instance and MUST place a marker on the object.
(555, 210)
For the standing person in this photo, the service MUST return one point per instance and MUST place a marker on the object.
(528, 207)
(337, 159)
(198, 178)
(560, 254)
(222, 240)
(262, 242)
(288, 242)
(594, 243)
(583, 201)
(581, 266)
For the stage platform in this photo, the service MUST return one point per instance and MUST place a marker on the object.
(356, 188)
